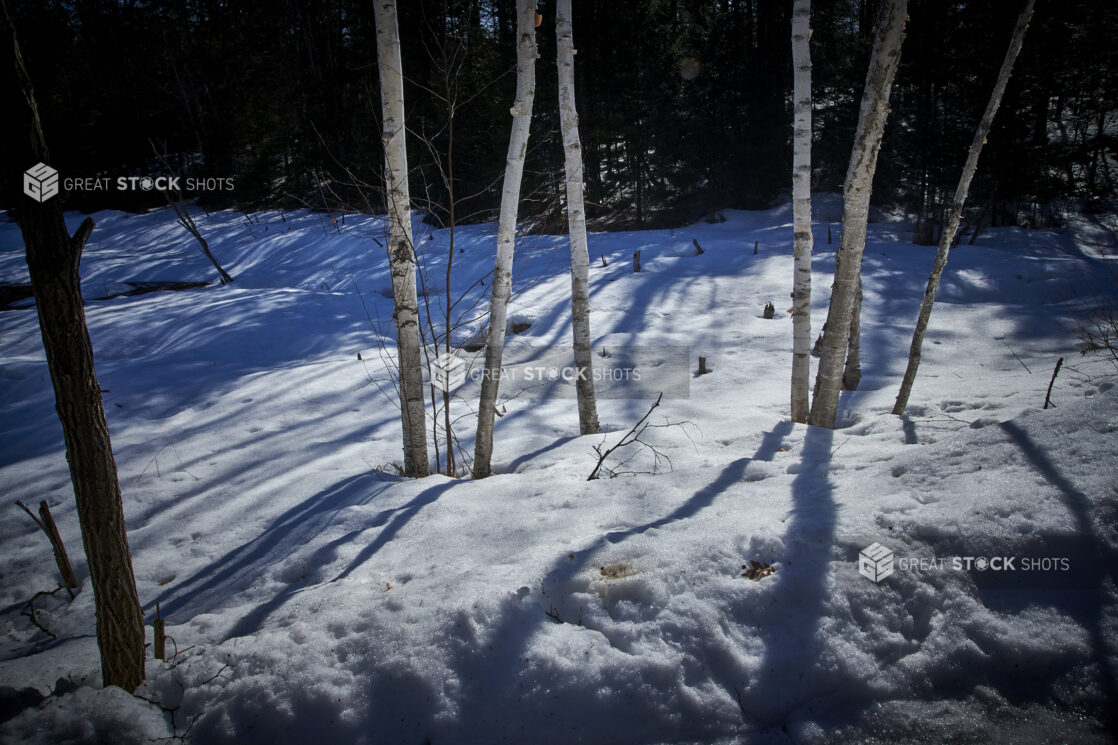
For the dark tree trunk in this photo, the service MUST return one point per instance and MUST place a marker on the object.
(52, 259)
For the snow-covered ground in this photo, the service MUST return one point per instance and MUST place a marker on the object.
(314, 596)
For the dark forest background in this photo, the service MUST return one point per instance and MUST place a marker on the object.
(685, 106)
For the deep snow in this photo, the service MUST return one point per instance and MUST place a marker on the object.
(315, 596)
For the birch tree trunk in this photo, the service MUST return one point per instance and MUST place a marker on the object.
(855, 210)
(521, 111)
(401, 251)
(852, 371)
(576, 221)
(53, 256)
(956, 213)
(801, 209)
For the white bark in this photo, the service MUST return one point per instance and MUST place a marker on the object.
(401, 252)
(576, 220)
(521, 111)
(801, 209)
(856, 202)
(852, 372)
(953, 218)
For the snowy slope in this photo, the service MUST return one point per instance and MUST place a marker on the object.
(314, 596)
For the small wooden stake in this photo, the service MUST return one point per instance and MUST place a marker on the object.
(828, 234)
(697, 246)
(603, 258)
(637, 260)
(703, 369)
(160, 636)
(755, 244)
(1048, 396)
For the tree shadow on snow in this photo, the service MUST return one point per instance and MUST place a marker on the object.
(399, 517)
(212, 585)
(1097, 560)
(496, 665)
(798, 681)
(554, 444)
(393, 520)
(786, 680)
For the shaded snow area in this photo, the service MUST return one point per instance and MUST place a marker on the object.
(314, 596)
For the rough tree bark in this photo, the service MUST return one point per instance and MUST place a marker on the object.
(401, 251)
(855, 211)
(801, 210)
(576, 221)
(521, 111)
(956, 213)
(852, 370)
(53, 256)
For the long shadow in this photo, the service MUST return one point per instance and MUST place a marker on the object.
(324, 555)
(179, 335)
(553, 445)
(704, 497)
(1079, 504)
(254, 619)
(909, 426)
(186, 503)
(793, 647)
(400, 517)
(501, 655)
(1103, 565)
(294, 527)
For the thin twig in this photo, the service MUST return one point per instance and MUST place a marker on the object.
(633, 435)
(1016, 357)
(29, 609)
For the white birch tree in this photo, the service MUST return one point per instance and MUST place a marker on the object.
(952, 227)
(521, 111)
(401, 251)
(855, 209)
(801, 209)
(576, 221)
